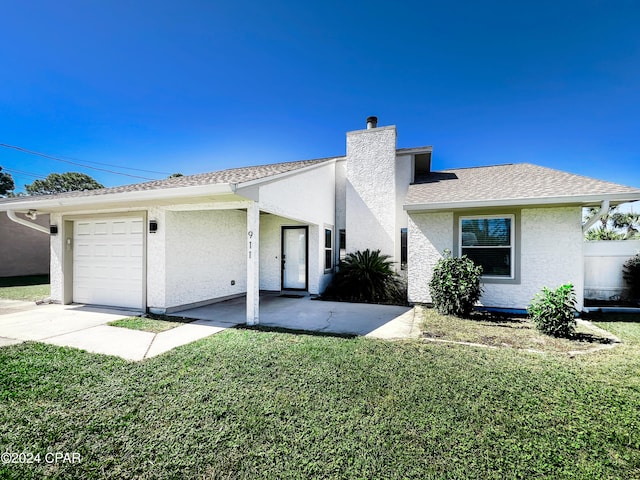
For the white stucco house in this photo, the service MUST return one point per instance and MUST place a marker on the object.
(173, 244)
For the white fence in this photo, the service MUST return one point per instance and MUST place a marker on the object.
(603, 262)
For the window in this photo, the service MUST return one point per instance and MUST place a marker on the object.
(328, 249)
(403, 249)
(489, 241)
(343, 244)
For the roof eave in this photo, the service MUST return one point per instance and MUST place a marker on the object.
(578, 200)
(45, 204)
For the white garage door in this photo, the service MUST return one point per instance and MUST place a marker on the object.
(108, 262)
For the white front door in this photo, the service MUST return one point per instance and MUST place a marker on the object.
(108, 262)
(294, 258)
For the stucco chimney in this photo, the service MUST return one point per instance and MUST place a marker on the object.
(372, 122)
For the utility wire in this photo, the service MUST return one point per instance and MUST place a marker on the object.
(51, 157)
(20, 172)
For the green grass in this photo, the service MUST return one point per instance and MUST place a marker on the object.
(153, 324)
(258, 404)
(25, 292)
(504, 331)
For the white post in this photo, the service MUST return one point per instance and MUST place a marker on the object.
(253, 264)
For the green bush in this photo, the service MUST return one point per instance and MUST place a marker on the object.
(553, 311)
(631, 275)
(455, 285)
(368, 277)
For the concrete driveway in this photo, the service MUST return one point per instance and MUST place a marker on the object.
(378, 321)
(84, 327)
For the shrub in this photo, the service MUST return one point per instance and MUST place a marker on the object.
(367, 276)
(631, 275)
(553, 311)
(455, 285)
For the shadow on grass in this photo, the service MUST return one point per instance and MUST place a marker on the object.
(294, 331)
(24, 281)
(591, 338)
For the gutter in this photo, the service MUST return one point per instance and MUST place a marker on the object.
(604, 208)
(12, 216)
(582, 200)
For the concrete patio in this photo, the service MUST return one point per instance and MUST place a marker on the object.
(305, 313)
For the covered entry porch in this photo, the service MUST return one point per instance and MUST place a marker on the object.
(216, 252)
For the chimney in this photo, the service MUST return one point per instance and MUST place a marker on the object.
(372, 122)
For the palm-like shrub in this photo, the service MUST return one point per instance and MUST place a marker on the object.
(366, 276)
(455, 285)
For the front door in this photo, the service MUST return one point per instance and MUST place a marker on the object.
(294, 258)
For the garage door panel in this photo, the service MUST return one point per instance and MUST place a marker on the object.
(108, 262)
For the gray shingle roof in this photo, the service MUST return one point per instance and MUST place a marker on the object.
(231, 175)
(506, 182)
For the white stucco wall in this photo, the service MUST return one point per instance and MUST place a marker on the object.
(341, 197)
(550, 255)
(371, 190)
(404, 174)
(428, 235)
(205, 251)
(156, 261)
(307, 198)
(56, 265)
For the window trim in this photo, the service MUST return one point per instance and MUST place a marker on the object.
(328, 249)
(516, 231)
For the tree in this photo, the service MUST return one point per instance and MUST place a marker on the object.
(175, 175)
(6, 184)
(629, 222)
(62, 182)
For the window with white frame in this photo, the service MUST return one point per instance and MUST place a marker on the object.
(489, 240)
(328, 249)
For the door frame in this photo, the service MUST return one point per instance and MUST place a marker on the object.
(283, 228)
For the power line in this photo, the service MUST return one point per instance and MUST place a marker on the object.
(20, 172)
(51, 157)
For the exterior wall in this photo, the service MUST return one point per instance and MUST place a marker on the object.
(550, 255)
(157, 261)
(23, 250)
(341, 205)
(404, 174)
(428, 235)
(371, 190)
(603, 261)
(308, 198)
(56, 263)
(271, 250)
(205, 252)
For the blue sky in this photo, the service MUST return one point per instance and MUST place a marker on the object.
(195, 86)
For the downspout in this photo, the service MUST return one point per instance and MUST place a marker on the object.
(12, 216)
(604, 208)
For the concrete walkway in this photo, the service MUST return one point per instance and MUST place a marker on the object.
(84, 327)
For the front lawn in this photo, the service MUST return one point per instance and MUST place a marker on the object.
(152, 323)
(29, 288)
(259, 404)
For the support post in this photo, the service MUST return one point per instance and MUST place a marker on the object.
(253, 264)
